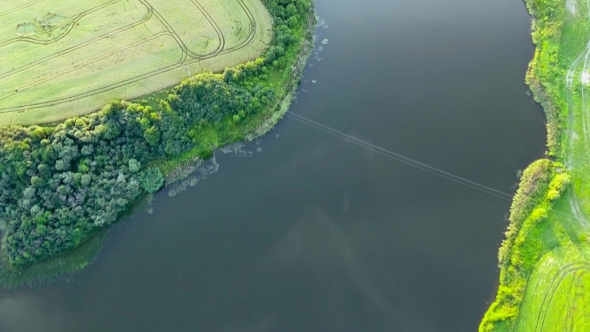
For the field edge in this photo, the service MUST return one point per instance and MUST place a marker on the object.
(78, 259)
(544, 220)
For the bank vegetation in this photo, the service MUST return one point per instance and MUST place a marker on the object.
(64, 183)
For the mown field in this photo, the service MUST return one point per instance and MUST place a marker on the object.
(69, 58)
(545, 258)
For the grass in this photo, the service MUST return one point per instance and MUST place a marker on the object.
(206, 138)
(558, 296)
(56, 50)
(545, 256)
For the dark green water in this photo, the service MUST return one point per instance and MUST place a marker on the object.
(316, 234)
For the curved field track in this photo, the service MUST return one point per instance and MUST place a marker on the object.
(69, 57)
(558, 294)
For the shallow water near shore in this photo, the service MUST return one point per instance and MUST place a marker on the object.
(303, 231)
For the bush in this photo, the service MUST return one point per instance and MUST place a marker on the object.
(152, 180)
(60, 184)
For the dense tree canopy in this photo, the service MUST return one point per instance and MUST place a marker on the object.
(61, 183)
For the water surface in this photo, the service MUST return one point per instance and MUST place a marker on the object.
(313, 233)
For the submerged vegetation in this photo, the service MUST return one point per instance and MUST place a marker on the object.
(63, 183)
(544, 260)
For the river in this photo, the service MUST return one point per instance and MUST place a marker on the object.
(303, 231)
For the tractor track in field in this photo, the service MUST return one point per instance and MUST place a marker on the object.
(571, 300)
(93, 60)
(576, 268)
(571, 134)
(220, 36)
(187, 56)
(578, 70)
(20, 7)
(77, 47)
(572, 308)
(71, 24)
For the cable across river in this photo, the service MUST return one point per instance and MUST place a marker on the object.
(396, 156)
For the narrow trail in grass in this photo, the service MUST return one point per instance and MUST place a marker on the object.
(573, 136)
(539, 290)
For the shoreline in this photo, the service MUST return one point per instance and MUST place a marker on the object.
(548, 212)
(176, 169)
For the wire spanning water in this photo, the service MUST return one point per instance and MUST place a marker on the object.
(396, 156)
(577, 216)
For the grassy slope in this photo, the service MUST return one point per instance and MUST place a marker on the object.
(285, 83)
(548, 232)
(116, 58)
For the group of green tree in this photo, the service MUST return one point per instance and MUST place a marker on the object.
(60, 183)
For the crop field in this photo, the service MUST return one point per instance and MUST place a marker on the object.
(558, 294)
(64, 58)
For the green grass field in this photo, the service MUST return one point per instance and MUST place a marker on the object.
(68, 58)
(167, 129)
(545, 259)
(558, 293)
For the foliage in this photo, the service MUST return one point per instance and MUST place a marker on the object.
(546, 216)
(65, 263)
(152, 180)
(62, 183)
(524, 244)
(544, 69)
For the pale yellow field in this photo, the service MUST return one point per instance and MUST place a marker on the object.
(63, 58)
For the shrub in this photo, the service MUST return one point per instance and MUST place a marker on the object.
(152, 180)
(76, 177)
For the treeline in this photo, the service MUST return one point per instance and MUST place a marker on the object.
(541, 185)
(545, 76)
(60, 183)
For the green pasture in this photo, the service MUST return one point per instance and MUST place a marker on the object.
(544, 264)
(68, 58)
(558, 293)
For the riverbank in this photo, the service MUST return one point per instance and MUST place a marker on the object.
(259, 91)
(544, 257)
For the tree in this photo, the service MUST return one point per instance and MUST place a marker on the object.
(152, 136)
(152, 180)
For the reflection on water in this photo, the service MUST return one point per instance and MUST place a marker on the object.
(27, 312)
(317, 245)
(302, 231)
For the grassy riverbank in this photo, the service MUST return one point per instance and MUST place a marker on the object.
(545, 256)
(65, 184)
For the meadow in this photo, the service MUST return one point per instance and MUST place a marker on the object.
(545, 258)
(558, 295)
(69, 58)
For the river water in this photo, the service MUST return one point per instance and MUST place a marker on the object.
(307, 232)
